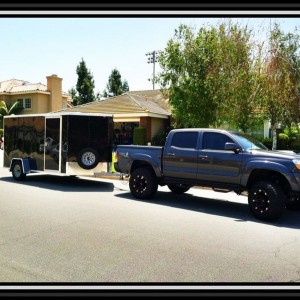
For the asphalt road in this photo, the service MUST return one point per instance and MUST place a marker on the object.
(56, 229)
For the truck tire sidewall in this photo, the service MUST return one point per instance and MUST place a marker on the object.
(178, 188)
(17, 171)
(88, 158)
(266, 200)
(143, 183)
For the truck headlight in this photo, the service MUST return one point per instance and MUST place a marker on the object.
(297, 163)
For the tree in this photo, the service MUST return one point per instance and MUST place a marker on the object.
(210, 76)
(281, 78)
(115, 86)
(185, 63)
(125, 86)
(8, 109)
(84, 92)
(235, 77)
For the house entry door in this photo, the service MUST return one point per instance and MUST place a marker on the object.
(52, 143)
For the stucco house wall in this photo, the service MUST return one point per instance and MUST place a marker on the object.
(43, 98)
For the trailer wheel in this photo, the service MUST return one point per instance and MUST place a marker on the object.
(178, 188)
(143, 183)
(17, 171)
(88, 158)
(266, 200)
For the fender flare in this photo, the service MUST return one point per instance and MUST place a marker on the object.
(263, 165)
(147, 159)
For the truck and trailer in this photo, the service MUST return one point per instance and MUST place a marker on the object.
(77, 144)
(57, 143)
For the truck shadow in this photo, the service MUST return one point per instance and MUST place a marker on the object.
(240, 212)
(63, 183)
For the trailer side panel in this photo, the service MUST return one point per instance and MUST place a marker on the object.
(24, 137)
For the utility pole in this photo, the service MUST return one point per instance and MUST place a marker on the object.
(152, 59)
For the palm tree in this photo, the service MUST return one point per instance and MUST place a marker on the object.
(8, 109)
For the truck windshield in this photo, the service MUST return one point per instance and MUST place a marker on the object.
(248, 142)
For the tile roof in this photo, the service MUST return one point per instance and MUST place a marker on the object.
(127, 103)
(17, 86)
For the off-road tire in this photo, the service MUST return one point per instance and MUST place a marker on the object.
(266, 200)
(143, 183)
(178, 188)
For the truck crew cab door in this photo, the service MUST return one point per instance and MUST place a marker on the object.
(215, 164)
(181, 155)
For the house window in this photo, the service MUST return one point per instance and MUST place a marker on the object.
(24, 103)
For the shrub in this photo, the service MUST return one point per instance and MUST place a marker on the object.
(267, 142)
(283, 142)
(139, 136)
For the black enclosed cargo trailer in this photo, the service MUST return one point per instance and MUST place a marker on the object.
(57, 143)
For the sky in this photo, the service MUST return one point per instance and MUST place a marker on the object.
(33, 48)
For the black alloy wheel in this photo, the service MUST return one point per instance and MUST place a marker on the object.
(266, 200)
(143, 183)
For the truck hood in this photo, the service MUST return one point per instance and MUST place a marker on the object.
(280, 154)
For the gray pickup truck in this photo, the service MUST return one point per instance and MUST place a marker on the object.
(222, 160)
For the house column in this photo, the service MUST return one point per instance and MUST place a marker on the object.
(54, 86)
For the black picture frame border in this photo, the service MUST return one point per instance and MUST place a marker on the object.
(153, 9)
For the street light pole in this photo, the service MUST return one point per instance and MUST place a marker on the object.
(152, 59)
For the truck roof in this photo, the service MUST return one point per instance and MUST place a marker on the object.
(203, 129)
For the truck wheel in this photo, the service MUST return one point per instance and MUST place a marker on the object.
(143, 183)
(178, 188)
(88, 158)
(17, 171)
(266, 200)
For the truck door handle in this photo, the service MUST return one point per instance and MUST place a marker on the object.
(170, 154)
(203, 156)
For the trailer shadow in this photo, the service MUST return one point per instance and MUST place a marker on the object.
(63, 183)
(239, 212)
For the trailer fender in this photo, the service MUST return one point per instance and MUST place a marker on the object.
(28, 164)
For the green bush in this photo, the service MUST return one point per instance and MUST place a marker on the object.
(1, 132)
(267, 142)
(139, 136)
(283, 142)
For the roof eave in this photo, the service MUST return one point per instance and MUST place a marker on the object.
(25, 92)
(143, 114)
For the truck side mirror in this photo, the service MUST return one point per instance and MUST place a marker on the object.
(232, 147)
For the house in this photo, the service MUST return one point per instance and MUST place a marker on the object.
(149, 109)
(35, 97)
